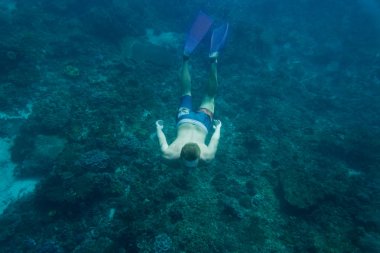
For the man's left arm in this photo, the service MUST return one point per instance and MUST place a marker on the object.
(214, 141)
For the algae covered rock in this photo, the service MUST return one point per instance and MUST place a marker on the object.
(299, 190)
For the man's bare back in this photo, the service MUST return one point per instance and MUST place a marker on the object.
(188, 133)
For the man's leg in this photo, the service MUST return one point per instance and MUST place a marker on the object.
(185, 106)
(185, 78)
(208, 100)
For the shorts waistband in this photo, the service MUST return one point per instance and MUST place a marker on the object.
(194, 122)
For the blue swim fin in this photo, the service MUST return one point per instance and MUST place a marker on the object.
(218, 39)
(197, 32)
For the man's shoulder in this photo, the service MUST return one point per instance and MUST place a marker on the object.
(171, 153)
(207, 155)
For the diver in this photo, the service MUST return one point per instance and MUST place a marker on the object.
(193, 126)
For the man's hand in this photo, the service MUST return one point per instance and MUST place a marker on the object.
(217, 124)
(160, 124)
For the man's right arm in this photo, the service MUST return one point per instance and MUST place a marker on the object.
(161, 136)
(166, 151)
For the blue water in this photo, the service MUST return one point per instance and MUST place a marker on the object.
(82, 84)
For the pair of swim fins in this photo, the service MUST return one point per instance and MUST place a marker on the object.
(199, 30)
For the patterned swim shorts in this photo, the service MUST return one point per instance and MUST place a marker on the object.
(202, 118)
